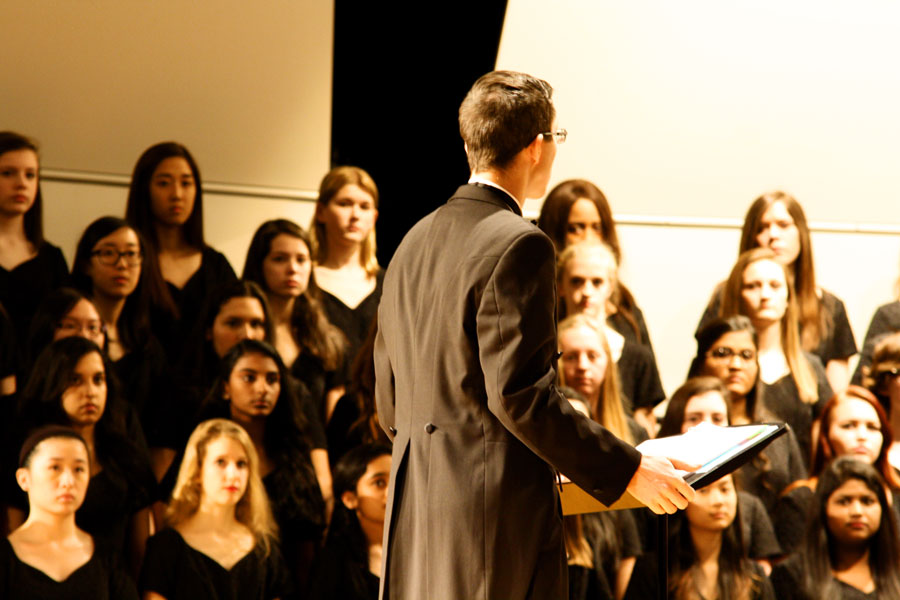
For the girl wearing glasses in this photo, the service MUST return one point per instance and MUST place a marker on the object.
(727, 351)
(882, 378)
(760, 288)
(776, 221)
(853, 424)
(577, 211)
(587, 274)
(345, 266)
(165, 205)
(111, 268)
(50, 555)
(30, 267)
(851, 550)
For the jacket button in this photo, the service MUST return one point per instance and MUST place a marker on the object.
(393, 430)
(429, 428)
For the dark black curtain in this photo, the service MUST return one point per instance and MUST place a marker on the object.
(399, 77)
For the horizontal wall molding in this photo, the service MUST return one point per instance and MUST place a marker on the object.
(209, 187)
(724, 223)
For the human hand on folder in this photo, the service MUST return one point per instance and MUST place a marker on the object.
(659, 484)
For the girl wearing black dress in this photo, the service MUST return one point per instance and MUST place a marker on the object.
(776, 221)
(349, 566)
(112, 267)
(577, 211)
(49, 556)
(30, 267)
(706, 553)
(853, 424)
(587, 275)
(279, 262)
(256, 391)
(72, 385)
(346, 268)
(851, 549)
(727, 350)
(760, 288)
(165, 205)
(221, 538)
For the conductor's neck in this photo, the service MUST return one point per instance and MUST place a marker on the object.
(509, 182)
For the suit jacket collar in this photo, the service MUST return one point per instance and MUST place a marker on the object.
(487, 193)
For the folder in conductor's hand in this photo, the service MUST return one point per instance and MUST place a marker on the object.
(720, 450)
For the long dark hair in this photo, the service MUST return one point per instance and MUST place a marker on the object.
(817, 550)
(199, 361)
(138, 210)
(347, 473)
(34, 218)
(134, 322)
(314, 334)
(814, 323)
(52, 309)
(286, 426)
(711, 333)
(554, 219)
(736, 579)
(41, 404)
(674, 418)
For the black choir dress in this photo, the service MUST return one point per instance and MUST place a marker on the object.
(101, 578)
(787, 580)
(782, 399)
(23, 288)
(177, 571)
(214, 271)
(354, 322)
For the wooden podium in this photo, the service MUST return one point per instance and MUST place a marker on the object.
(717, 461)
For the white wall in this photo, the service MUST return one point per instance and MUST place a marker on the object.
(684, 112)
(245, 85)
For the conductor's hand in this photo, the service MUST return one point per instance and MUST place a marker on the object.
(659, 486)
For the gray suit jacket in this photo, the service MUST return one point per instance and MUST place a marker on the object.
(465, 385)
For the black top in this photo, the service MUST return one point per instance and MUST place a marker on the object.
(792, 513)
(775, 468)
(644, 584)
(215, 270)
(146, 382)
(344, 433)
(639, 377)
(8, 350)
(100, 578)
(108, 506)
(623, 326)
(782, 399)
(23, 288)
(354, 322)
(177, 571)
(342, 572)
(787, 580)
(756, 528)
(838, 344)
(885, 321)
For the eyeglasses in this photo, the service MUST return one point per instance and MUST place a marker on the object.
(886, 374)
(559, 135)
(724, 353)
(111, 256)
(75, 327)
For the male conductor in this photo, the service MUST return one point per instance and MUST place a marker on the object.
(465, 379)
